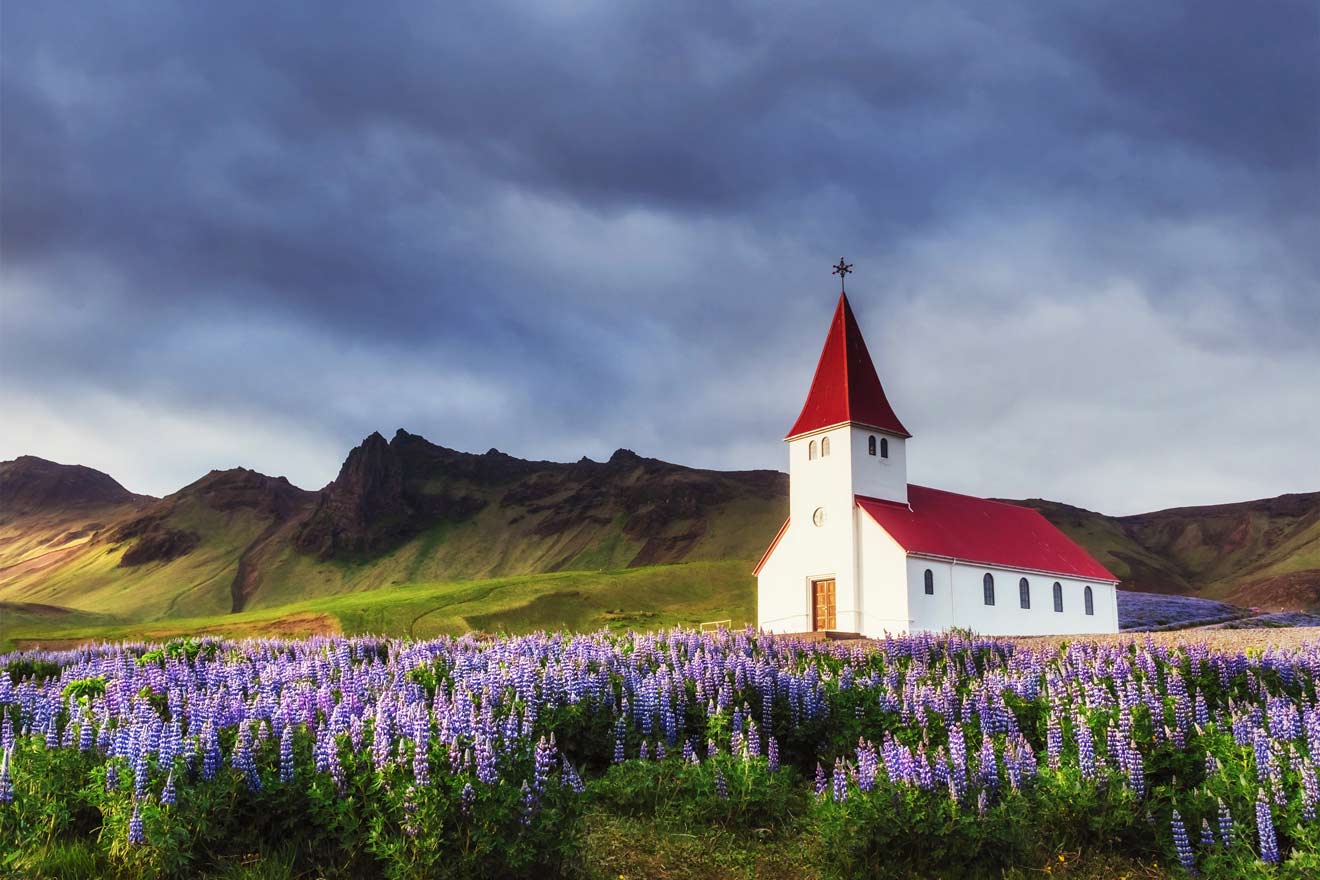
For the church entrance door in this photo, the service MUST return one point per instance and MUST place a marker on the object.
(822, 605)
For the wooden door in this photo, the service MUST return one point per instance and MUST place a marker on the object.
(822, 605)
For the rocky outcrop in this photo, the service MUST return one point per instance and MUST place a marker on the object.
(383, 496)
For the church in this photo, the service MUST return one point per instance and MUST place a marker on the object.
(864, 552)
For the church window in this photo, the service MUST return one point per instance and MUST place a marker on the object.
(811, 451)
(1024, 593)
(988, 585)
(930, 578)
(1090, 601)
(884, 447)
(1058, 596)
(824, 446)
(818, 517)
(870, 445)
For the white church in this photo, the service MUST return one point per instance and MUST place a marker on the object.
(865, 552)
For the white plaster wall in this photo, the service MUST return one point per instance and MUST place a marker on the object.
(959, 601)
(807, 552)
(882, 576)
(878, 477)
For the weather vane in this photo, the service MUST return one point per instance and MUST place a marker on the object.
(842, 271)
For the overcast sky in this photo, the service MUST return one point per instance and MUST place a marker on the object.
(1086, 236)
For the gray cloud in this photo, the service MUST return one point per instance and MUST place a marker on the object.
(1085, 236)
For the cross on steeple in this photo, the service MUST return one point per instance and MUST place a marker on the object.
(842, 271)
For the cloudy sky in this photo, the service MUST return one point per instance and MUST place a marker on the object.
(1086, 236)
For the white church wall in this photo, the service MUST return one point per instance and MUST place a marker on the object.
(959, 600)
(806, 553)
(882, 575)
(874, 475)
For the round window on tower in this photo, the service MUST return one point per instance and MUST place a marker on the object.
(819, 516)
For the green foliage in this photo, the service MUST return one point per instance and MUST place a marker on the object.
(29, 668)
(85, 689)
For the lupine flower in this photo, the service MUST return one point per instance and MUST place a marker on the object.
(468, 797)
(6, 783)
(1207, 834)
(773, 755)
(1269, 844)
(136, 833)
(1181, 844)
(721, 786)
(1225, 824)
(840, 781)
(167, 794)
(822, 782)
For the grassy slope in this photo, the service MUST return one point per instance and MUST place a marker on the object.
(657, 596)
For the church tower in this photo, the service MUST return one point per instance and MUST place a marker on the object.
(847, 441)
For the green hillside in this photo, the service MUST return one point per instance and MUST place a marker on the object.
(686, 594)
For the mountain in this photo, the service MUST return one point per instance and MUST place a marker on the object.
(406, 511)
(1262, 553)
(400, 511)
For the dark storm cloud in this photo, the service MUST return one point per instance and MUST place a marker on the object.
(608, 221)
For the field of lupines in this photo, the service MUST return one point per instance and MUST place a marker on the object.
(924, 756)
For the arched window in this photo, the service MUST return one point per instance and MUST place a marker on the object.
(988, 584)
(1024, 593)
(811, 451)
(824, 446)
(1058, 596)
(870, 445)
(884, 447)
(930, 582)
(1090, 601)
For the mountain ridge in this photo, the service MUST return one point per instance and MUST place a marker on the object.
(407, 510)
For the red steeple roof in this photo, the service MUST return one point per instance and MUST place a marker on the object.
(846, 387)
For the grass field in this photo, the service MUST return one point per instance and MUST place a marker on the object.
(640, 598)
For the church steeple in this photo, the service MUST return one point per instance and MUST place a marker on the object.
(846, 388)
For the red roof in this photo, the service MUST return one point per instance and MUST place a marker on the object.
(846, 387)
(968, 529)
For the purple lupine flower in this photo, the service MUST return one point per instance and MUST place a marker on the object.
(840, 781)
(773, 755)
(1207, 834)
(286, 754)
(136, 833)
(1269, 844)
(167, 794)
(6, 782)
(644, 751)
(721, 786)
(867, 765)
(1225, 824)
(822, 782)
(1053, 742)
(1181, 844)
(543, 763)
(659, 750)
(689, 753)
(1310, 790)
(571, 778)
(529, 803)
(468, 797)
(618, 741)
(410, 811)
